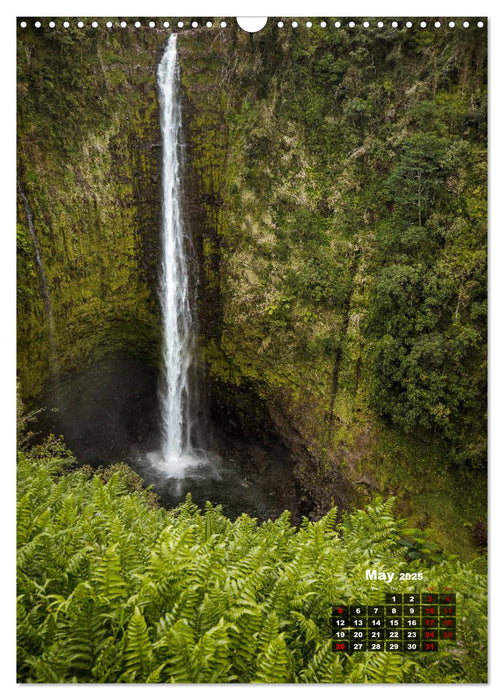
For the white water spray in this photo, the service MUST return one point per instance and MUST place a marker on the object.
(176, 312)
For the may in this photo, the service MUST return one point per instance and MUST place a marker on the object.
(373, 575)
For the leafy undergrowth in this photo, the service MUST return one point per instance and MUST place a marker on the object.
(112, 589)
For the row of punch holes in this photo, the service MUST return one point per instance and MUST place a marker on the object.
(294, 23)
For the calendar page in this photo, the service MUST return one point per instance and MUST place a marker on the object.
(251, 350)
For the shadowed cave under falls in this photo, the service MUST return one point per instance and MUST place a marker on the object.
(161, 422)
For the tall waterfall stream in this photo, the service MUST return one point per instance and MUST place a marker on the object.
(176, 451)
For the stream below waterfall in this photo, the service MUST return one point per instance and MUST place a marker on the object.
(236, 486)
(108, 412)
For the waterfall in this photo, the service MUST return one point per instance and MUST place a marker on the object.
(174, 292)
(44, 287)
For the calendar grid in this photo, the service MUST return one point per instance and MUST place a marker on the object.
(407, 622)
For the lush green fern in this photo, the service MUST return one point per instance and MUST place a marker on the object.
(112, 589)
(138, 651)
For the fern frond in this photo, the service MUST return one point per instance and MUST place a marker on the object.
(212, 655)
(138, 653)
(178, 647)
(324, 666)
(41, 671)
(109, 662)
(385, 667)
(308, 627)
(81, 634)
(273, 665)
(108, 575)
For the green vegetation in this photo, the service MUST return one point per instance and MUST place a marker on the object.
(351, 234)
(112, 589)
(336, 181)
(356, 239)
(88, 164)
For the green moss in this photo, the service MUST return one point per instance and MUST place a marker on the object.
(87, 162)
(299, 194)
(298, 147)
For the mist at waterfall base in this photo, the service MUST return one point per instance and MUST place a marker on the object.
(108, 412)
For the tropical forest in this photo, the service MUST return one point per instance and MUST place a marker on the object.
(251, 348)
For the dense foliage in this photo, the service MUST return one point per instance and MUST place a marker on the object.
(357, 190)
(336, 195)
(112, 589)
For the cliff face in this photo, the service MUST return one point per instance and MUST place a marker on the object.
(335, 191)
(88, 167)
(349, 260)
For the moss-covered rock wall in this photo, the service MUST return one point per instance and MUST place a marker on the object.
(335, 189)
(349, 262)
(88, 163)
